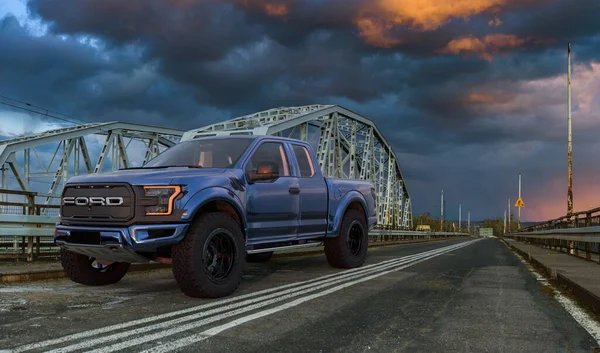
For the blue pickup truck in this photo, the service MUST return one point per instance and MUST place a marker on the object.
(207, 206)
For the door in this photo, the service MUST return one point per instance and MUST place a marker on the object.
(272, 206)
(313, 195)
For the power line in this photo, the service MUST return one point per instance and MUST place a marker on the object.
(46, 109)
(46, 114)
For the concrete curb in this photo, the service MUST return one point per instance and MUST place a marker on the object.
(58, 274)
(588, 298)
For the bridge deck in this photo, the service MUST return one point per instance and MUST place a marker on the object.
(455, 295)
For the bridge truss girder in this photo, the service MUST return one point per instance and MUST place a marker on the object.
(347, 145)
(72, 154)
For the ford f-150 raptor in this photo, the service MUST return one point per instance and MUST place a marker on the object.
(207, 206)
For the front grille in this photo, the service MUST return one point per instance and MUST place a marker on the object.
(98, 211)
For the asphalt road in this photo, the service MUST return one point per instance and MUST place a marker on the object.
(449, 296)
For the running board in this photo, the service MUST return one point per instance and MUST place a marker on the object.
(306, 245)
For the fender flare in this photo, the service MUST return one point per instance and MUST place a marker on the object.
(336, 222)
(215, 193)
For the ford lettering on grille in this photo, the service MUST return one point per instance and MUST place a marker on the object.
(93, 201)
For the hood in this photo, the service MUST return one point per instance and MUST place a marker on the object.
(149, 176)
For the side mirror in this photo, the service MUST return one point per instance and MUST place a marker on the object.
(264, 171)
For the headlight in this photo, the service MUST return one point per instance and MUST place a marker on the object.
(165, 196)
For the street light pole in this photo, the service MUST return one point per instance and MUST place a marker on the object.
(509, 215)
(442, 213)
(519, 219)
(459, 217)
(569, 137)
(469, 221)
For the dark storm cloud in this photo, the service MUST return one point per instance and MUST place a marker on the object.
(312, 49)
(204, 31)
(559, 21)
(93, 84)
(447, 87)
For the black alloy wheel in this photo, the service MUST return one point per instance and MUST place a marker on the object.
(219, 255)
(355, 238)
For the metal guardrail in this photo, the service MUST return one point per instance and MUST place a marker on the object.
(33, 236)
(26, 224)
(581, 242)
(392, 235)
(577, 234)
(581, 219)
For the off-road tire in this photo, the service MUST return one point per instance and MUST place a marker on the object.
(259, 257)
(79, 269)
(188, 257)
(338, 251)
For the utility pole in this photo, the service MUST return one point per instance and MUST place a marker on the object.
(442, 213)
(459, 217)
(469, 221)
(569, 137)
(519, 219)
(509, 215)
(504, 230)
(445, 207)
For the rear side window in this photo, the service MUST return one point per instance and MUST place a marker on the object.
(304, 161)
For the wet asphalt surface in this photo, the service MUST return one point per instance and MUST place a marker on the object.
(477, 298)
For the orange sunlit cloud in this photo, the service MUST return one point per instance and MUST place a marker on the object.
(378, 19)
(479, 98)
(485, 47)
(495, 22)
(271, 8)
(276, 9)
(377, 33)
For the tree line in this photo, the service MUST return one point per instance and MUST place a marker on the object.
(497, 224)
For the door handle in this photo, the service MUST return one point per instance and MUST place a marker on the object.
(294, 190)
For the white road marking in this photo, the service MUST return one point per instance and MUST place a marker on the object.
(186, 341)
(121, 326)
(294, 289)
(577, 312)
(278, 296)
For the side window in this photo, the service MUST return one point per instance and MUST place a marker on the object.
(304, 161)
(270, 152)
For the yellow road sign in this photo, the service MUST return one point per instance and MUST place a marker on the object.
(519, 203)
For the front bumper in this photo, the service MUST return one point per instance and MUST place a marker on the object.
(118, 244)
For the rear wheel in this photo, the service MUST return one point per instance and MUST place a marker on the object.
(91, 271)
(259, 257)
(349, 248)
(209, 261)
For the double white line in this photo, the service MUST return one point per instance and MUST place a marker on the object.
(216, 311)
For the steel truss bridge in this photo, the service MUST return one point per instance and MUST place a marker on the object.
(347, 144)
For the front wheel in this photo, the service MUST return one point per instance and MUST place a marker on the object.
(349, 248)
(90, 271)
(209, 261)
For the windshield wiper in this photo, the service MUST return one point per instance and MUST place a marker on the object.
(164, 166)
(158, 167)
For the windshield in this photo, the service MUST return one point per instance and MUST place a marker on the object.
(204, 153)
